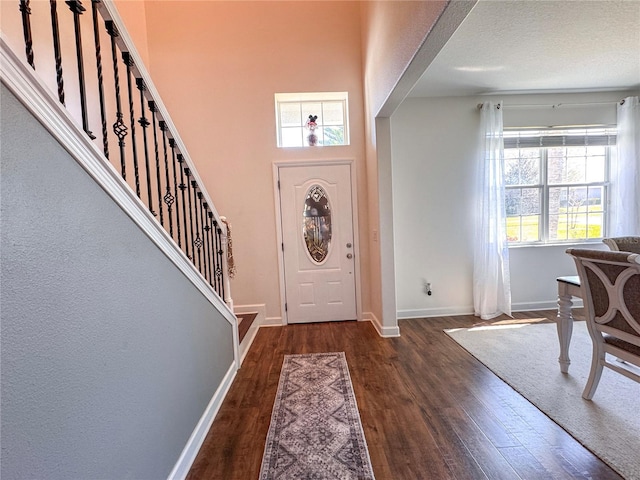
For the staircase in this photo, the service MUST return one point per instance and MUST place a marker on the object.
(119, 341)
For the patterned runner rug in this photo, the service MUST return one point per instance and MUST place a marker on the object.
(315, 430)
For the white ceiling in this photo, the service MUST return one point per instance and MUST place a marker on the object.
(539, 46)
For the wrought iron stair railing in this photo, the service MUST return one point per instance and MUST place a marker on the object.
(119, 109)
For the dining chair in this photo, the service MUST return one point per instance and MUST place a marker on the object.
(610, 283)
(623, 244)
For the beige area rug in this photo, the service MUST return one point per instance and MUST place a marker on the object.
(526, 357)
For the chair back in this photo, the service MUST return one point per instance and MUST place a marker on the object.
(610, 283)
(623, 244)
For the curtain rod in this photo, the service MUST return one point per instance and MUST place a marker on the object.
(553, 105)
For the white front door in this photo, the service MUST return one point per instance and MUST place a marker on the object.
(317, 234)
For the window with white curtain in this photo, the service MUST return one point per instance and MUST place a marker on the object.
(556, 183)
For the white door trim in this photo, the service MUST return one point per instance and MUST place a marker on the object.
(356, 233)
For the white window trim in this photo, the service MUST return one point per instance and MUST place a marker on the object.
(281, 98)
(544, 187)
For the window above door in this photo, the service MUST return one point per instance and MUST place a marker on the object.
(312, 119)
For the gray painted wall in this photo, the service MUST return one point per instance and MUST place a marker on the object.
(109, 355)
(433, 142)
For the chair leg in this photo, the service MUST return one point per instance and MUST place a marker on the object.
(597, 364)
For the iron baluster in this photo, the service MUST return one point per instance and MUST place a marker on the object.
(76, 7)
(152, 108)
(187, 172)
(209, 249)
(103, 114)
(172, 144)
(55, 30)
(168, 197)
(128, 61)
(219, 271)
(216, 245)
(202, 250)
(25, 10)
(119, 128)
(184, 204)
(198, 240)
(144, 123)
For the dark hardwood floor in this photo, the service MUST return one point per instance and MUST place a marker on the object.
(429, 409)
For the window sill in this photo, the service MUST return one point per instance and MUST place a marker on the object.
(577, 243)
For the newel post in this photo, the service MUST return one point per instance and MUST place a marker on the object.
(225, 264)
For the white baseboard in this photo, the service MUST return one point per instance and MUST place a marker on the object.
(188, 455)
(549, 305)
(434, 312)
(383, 331)
(451, 311)
(260, 309)
(272, 322)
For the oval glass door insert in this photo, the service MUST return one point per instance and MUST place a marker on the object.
(316, 223)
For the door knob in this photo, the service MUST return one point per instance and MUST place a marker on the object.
(349, 255)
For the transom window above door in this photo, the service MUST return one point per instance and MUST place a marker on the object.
(312, 119)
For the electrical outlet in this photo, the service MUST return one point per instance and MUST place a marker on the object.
(375, 235)
(427, 288)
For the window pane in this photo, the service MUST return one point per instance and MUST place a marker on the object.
(531, 228)
(556, 166)
(312, 108)
(530, 167)
(523, 214)
(580, 152)
(595, 212)
(566, 165)
(557, 206)
(596, 225)
(290, 115)
(333, 135)
(511, 169)
(576, 170)
(292, 137)
(530, 202)
(523, 228)
(596, 198)
(577, 226)
(522, 166)
(512, 201)
(568, 218)
(513, 229)
(596, 170)
(510, 153)
(558, 227)
(333, 113)
(577, 199)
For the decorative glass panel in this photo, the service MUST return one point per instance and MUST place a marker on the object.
(316, 223)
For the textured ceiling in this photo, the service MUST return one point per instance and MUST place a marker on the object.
(536, 46)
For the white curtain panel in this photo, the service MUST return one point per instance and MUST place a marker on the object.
(491, 280)
(625, 172)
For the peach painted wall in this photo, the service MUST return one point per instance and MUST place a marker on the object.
(392, 32)
(133, 13)
(217, 66)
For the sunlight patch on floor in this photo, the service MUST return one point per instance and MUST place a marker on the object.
(498, 327)
(503, 324)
